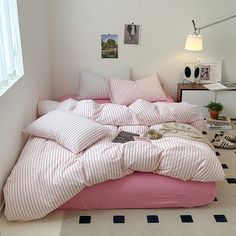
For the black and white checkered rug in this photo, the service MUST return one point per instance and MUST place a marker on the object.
(217, 218)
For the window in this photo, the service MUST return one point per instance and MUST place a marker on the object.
(11, 63)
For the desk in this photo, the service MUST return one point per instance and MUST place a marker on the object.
(198, 95)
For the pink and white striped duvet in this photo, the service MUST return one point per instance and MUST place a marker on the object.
(47, 175)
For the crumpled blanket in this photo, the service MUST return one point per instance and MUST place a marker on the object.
(183, 131)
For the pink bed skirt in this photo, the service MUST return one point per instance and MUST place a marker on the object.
(143, 190)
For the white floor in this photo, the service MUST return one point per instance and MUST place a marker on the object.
(50, 225)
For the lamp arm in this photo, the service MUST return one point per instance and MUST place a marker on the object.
(197, 30)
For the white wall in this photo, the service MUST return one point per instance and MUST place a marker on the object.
(76, 26)
(18, 105)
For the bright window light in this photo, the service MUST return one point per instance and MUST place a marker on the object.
(11, 62)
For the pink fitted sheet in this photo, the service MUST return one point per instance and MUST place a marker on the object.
(143, 190)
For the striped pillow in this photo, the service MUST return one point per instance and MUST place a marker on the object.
(92, 86)
(126, 92)
(68, 129)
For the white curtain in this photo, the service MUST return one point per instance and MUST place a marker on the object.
(11, 63)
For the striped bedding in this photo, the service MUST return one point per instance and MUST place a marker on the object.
(47, 175)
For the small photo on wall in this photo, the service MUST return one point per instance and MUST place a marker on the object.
(132, 34)
(109, 45)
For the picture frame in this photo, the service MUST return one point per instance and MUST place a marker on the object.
(109, 46)
(132, 34)
(211, 72)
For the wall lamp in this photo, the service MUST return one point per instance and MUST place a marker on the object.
(194, 40)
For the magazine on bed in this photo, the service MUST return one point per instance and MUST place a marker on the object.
(124, 137)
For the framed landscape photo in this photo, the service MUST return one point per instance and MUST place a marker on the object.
(109, 46)
(211, 72)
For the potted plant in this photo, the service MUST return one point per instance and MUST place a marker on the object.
(214, 108)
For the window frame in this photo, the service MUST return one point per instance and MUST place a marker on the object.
(11, 58)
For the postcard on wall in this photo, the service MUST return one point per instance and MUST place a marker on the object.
(109, 46)
(210, 72)
(132, 34)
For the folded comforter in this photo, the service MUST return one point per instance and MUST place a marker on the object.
(48, 174)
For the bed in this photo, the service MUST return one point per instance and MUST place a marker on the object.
(58, 172)
(70, 161)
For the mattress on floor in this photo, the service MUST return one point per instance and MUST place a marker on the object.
(143, 190)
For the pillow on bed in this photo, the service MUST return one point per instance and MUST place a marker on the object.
(127, 92)
(92, 86)
(68, 129)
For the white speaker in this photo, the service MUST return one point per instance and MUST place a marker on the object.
(192, 72)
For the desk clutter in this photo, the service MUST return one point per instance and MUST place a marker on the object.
(223, 122)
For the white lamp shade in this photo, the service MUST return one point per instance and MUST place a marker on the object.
(193, 42)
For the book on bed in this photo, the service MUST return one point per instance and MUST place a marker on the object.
(124, 137)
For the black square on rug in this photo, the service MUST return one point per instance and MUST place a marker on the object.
(85, 219)
(186, 218)
(152, 219)
(231, 180)
(119, 219)
(220, 218)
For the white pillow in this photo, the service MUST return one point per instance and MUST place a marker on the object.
(68, 129)
(127, 92)
(92, 86)
(46, 106)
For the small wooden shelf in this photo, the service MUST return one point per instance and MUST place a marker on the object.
(188, 86)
